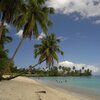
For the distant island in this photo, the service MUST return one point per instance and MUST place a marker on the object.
(53, 71)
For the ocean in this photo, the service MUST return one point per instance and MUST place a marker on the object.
(89, 86)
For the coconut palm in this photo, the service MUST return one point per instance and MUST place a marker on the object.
(69, 69)
(3, 57)
(60, 67)
(8, 10)
(32, 15)
(73, 68)
(3, 53)
(48, 49)
(82, 68)
(5, 39)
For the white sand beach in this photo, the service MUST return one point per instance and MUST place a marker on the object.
(22, 88)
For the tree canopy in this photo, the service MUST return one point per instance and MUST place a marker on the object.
(48, 49)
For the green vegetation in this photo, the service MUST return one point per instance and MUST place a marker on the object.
(32, 16)
(47, 50)
(53, 71)
(28, 15)
(4, 52)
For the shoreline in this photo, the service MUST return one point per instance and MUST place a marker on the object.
(23, 88)
(89, 95)
(79, 86)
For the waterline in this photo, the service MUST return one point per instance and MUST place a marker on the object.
(89, 86)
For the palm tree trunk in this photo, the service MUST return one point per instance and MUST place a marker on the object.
(38, 63)
(20, 43)
(16, 50)
(2, 23)
(49, 69)
(12, 77)
(1, 75)
(0, 33)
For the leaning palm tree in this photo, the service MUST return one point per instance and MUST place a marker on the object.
(32, 15)
(47, 50)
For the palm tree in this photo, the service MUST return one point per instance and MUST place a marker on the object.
(32, 15)
(73, 68)
(3, 58)
(48, 49)
(83, 69)
(69, 69)
(60, 67)
(8, 10)
(3, 53)
(5, 39)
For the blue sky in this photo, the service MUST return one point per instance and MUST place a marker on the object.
(78, 28)
(81, 39)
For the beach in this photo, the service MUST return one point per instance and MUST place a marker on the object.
(22, 88)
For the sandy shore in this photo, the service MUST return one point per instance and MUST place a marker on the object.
(22, 88)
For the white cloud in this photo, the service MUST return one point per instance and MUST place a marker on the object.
(41, 36)
(63, 38)
(95, 69)
(86, 8)
(96, 22)
(5, 24)
(20, 33)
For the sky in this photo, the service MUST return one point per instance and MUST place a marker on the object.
(77, 23)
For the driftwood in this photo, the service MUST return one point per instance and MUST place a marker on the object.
(40, 91)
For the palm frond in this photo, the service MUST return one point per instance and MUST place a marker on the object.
(48, 49)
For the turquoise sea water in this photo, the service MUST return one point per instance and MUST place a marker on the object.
(86, 85)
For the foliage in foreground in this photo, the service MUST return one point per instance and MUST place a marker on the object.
(5, 39)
